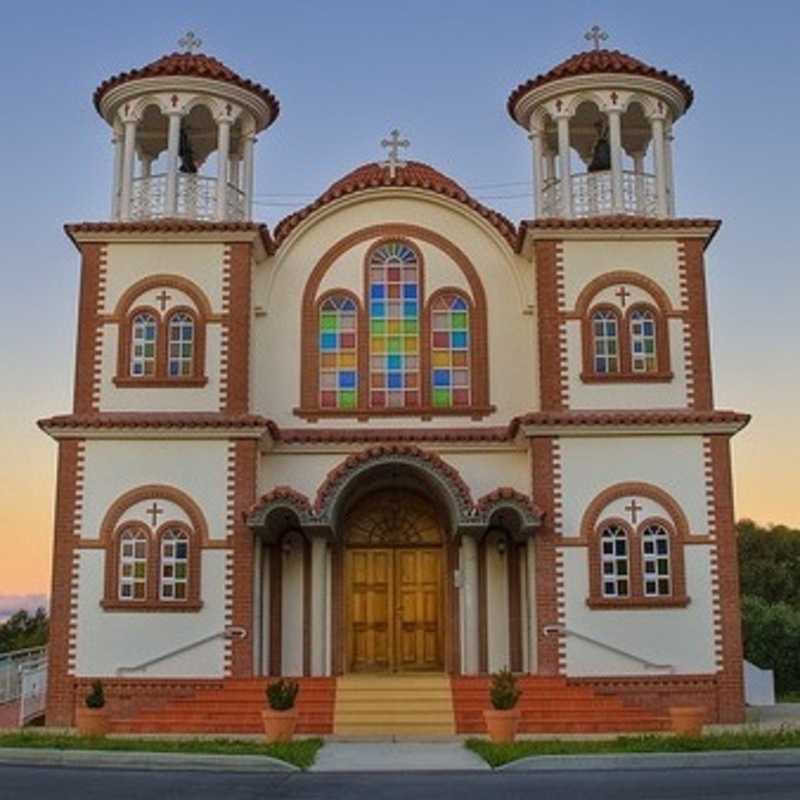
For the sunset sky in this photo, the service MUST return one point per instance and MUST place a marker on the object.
(348, 72)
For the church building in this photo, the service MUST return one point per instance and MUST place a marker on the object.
(399, 441)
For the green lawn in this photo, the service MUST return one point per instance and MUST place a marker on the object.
(789, 697)
(498, 754)
(301, 752)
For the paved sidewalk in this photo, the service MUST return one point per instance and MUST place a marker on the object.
(396, 757)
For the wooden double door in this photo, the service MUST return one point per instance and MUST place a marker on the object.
(394, 579)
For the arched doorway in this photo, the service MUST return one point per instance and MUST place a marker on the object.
(394, 583)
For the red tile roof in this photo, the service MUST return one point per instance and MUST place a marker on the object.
(171, 226)
(196, 65)
(634, 417)
(593, 62)
(157, 419)
(415, 175)
(409, 435)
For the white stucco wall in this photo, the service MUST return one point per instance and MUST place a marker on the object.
(497, 624)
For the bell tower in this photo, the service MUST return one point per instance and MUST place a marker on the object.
(184, 128)
(616, 115)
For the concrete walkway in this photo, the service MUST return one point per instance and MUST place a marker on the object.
(396, 757)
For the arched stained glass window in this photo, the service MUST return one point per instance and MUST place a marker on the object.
(643, 341)
(394, 327)
(338, 361)
(181, 345)
(133, 544)
(614, 564)
(450, 380)
(605, 338)
(144, 334)
(655, 562)
(174, 578)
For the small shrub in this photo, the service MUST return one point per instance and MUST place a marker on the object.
(504, 692)
(96, 698)
(282, 694)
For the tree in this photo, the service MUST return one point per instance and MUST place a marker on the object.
(24, 630)
(769, 562)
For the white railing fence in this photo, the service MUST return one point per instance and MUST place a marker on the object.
(196, 198)
(592, 195)
(33, 691)
(10, 664)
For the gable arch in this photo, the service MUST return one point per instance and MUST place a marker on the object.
(646, 284)
(177, 282)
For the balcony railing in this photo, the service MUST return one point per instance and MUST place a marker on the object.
(196, 198)
(592, 195)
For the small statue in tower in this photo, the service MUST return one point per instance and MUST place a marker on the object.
(601, 157)
(188, 165)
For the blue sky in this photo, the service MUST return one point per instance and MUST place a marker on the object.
(348, 72)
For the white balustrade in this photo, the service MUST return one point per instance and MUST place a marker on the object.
(592, 195)
(196, 198)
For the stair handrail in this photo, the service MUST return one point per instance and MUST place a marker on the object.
(226, 633)
(551, 629)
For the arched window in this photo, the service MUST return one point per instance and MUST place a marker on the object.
(643, 341)
(450, 351)
(144, 335)
(338, 358)
(174, 565)
(181, 345)
(133, 545)
(605, 342)
(614, 561)
(394, 327)
(656, 572)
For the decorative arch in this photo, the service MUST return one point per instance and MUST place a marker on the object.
(309, 406)
(511, 510)
(178, 282)
(643, 282)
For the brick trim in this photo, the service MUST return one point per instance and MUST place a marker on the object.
(601, 282)
(235, 348)
(553, 367)
(162, 281)
(88, 356)
(309, 387)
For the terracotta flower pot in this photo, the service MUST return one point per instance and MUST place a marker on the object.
(92, 721)
(501, 725)
(279, 726)
(687, 720)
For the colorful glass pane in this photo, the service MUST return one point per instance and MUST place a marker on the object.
(606, 346)
(656, 562)
(614, 573)
(174, 565)
(394, 327)
(144, 332)
(181, 345)
(132, 564)
(338, 365)
(643, 341)
(450, 378)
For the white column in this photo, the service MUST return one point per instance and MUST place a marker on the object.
(657, 125)
(266, 626)
(564, 167)
(257, 629)
(117, 140)
(127, 169)
(173, 145)
(223, 148)
(668, 139)
(469, 598)
(248, 176)
(319, 611)
(638, 169)
(536, 152)
(615, 141)
(233, 170)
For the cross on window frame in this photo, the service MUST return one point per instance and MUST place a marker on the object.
(634, 508)
(623, 295)
(154, 511)
(163, 298)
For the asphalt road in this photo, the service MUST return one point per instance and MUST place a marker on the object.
(45, 783)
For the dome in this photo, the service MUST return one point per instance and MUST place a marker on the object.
(413, 175)
(599, 62)
(191, 65)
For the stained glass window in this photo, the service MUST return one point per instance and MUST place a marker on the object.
(338, 361)
(174, 578)
(605, 335)
(655, 562)
(133, 564)
(144, 332)
(614, 561)
(394, 327)
(643, 341)
(181, 345)
(450, 351)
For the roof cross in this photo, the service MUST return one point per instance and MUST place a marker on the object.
(190, 42)
(393, 144)
(595, 34)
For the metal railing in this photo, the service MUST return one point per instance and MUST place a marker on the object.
(592, 195)
(196, 198)
(33, 691)
(645, 662)
(10, 665)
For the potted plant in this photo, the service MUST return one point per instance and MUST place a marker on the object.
(503, 717)
(92, 718)
(280, 716)
(687, 720)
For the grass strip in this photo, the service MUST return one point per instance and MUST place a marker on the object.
(301, 752)
(751, 739)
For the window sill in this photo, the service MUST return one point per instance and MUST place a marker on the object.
(627, 377)
(423, 412)
(135, 606)
(634, 603)
(159, 383)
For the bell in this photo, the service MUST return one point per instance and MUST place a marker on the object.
(188, 167)
(601, 157)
